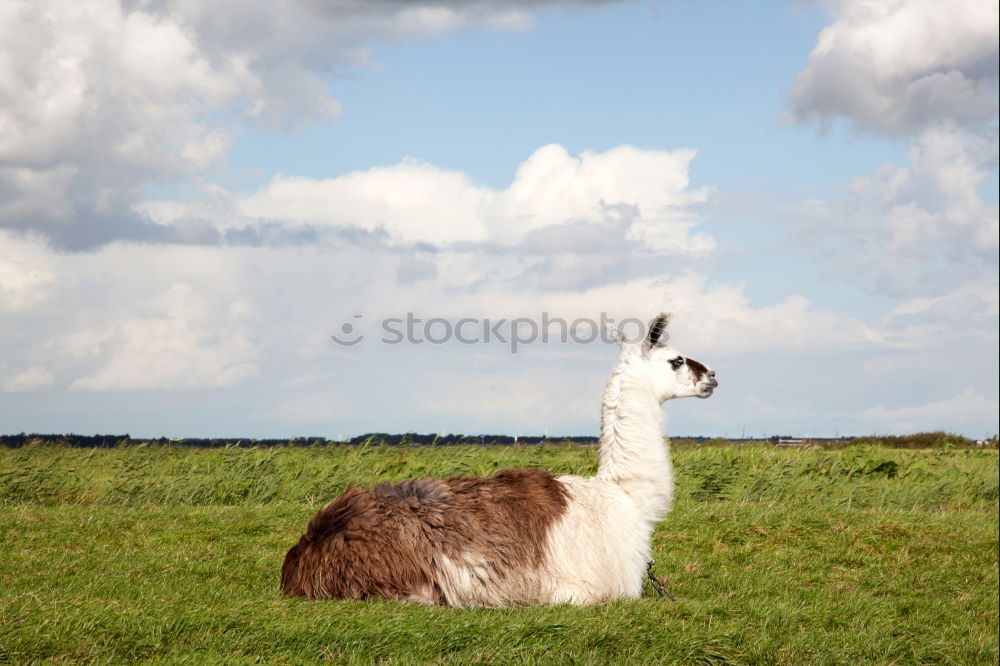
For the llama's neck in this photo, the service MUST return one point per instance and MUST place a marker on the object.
(633, 452)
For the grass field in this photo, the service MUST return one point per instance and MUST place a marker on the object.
(860, 555)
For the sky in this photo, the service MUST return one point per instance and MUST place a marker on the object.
(216, 219)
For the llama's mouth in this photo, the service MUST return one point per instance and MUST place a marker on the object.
(707, 390)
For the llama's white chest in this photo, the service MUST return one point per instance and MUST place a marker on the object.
(599, 549)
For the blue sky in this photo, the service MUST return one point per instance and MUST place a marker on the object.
(648, 75)
(192, 201)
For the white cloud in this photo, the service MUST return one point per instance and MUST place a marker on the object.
(552, 187)
(643, 192)
(968, 406)
(100, 97)
(910, 231)
(899, 66)
(25, 273)
(21, 285)
(40, 195)
(413, 201)
(100, 85)
(966, 315)
(30, 379)
(95, 100)
(177, 341)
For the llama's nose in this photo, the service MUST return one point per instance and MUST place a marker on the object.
(711, 373)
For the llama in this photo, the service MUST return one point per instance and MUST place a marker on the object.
(523, 536)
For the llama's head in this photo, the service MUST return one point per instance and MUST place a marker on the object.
(667, 372)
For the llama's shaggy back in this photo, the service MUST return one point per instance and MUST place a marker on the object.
(411, 540)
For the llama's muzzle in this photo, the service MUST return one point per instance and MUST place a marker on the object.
(708, 386)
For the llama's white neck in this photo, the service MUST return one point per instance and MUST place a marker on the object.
(633, 451)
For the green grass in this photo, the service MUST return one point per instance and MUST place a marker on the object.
(860, 555)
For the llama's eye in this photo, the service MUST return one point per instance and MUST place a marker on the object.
(677, 362)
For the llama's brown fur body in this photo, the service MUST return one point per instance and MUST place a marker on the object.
(391, 541)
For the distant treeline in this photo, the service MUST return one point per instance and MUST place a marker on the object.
(922, 440)
(384, 439)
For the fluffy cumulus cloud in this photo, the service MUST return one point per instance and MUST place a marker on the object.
(898, 66)
(21, 284)
(411, 202)
(922, 229)
(94, 101)
(99, 97)
(556, 202)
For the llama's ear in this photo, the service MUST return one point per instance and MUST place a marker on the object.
(615, 335)
(655, 333)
